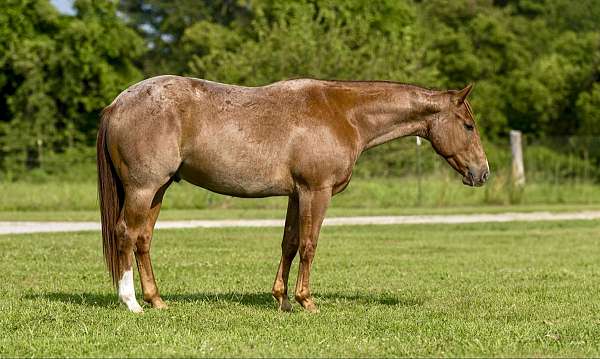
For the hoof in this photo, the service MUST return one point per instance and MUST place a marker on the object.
(133, 306)
(158, 303)
(137, 309)
(309, 306)
(285, 306)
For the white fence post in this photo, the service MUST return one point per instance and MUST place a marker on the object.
(518, 170)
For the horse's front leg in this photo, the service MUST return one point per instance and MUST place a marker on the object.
(312, 207)
(289, 248)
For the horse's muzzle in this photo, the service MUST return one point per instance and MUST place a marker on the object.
(476, 180)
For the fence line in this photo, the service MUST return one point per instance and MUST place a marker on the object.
(551, 160)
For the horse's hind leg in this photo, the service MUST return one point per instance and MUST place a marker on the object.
(142, 253)
(131, 225)
(289, 248)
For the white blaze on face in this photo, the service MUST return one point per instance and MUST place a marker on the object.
(127, 292)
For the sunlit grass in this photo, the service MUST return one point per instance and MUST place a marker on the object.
(279, 213)
(361, 194)
(505, 289)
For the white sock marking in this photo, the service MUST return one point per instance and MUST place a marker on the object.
(127, 292)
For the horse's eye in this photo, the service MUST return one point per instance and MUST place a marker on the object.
(469, 127)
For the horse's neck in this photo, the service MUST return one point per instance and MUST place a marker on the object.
(384, 112)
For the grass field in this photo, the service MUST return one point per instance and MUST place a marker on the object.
(279, 213)
(511, 289)
(55, 200)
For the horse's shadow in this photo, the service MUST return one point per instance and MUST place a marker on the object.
(84, 299)
(250, 299)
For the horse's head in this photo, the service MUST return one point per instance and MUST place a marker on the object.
(454, 136)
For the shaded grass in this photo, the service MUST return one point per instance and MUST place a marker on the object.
(503, 289)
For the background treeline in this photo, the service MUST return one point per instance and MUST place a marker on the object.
(536, 63)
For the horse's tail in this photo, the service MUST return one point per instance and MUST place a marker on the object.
(111, 195)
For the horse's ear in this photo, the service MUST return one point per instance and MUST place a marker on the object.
(462, 95)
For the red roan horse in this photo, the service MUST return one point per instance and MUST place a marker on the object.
(297, 138)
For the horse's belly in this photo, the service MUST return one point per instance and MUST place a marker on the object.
(240, 179)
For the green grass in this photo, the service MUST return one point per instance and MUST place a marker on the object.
(77, 201)
(279, 213)
(505, 289)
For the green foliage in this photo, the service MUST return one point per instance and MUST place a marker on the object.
(58, 72)
(545, 164)
(588, 109)
(322, 39)
(163, 23)
(536, 64)
(529, 71)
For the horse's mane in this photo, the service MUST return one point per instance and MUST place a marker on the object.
(368, 82)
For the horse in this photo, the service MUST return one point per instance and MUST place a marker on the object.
(298, 138)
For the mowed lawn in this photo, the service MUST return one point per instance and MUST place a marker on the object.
(506, 289)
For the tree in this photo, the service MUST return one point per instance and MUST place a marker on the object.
(58, 72)
(162, 24)
(528, 64)
(535, 63)
(323, 39)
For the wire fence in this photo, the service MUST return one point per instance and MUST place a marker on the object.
(553, 159)
(561, 170)
(561, 160)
